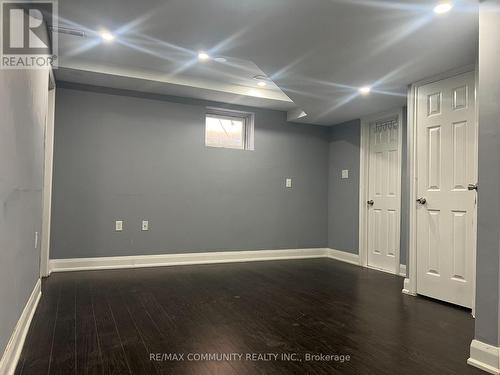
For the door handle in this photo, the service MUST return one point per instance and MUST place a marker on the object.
(472, 187)
(370, 202)
(422, 200)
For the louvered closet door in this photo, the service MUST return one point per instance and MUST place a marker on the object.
(384, 195)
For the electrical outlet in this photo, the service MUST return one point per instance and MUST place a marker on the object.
(345, 173)
(145, 225)
(288, 182)
(118, 225)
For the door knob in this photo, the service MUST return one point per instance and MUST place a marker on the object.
(422, 200)
(472, 187)
(371, 202)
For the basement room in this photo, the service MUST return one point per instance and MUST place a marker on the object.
(250, 187)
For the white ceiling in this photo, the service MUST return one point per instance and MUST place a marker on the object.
(317, 52)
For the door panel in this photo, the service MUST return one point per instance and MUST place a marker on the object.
(434, 168)
(384, 186)
(392, 233)
(459, 155)
(446, 165)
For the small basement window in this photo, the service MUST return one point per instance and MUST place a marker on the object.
(229, 129)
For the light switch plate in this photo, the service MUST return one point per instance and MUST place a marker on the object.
(145, 225)
(288, 182)
(118, 225)
(345, 173)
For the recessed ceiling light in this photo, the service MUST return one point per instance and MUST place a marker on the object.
(262, 80)
(220, 59)
(443, 7)
(365, 90)
(203, 56)
(107, 36)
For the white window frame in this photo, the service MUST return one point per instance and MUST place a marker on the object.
(248, 119)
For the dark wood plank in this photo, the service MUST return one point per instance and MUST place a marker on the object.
(63, 355)
(305, 306)
(113, 354)
(164, 334)
(133, 344)
(88, 350)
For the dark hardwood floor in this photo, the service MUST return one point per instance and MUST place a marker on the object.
(109, 322)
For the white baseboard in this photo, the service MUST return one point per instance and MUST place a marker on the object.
(140, 261)
(485, 357)
(402, 270)
(102, 263)
(406, 287)
(343, 256)
(14, 347)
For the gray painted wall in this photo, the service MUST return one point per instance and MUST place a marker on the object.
(119, 157)
(343, 194)
(133, 156)
(488, 246)
(23, 104)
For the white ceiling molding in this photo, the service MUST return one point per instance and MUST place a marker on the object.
(151, 85)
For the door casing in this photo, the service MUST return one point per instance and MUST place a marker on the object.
(410, 282)
(364, 179)
(47, 177)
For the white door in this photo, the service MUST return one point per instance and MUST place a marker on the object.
(384, 198)
(446, 165)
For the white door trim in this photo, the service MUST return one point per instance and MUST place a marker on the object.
(363, 181)
(410, 283)
(47, 177)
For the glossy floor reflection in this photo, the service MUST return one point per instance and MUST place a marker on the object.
(274, 314)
